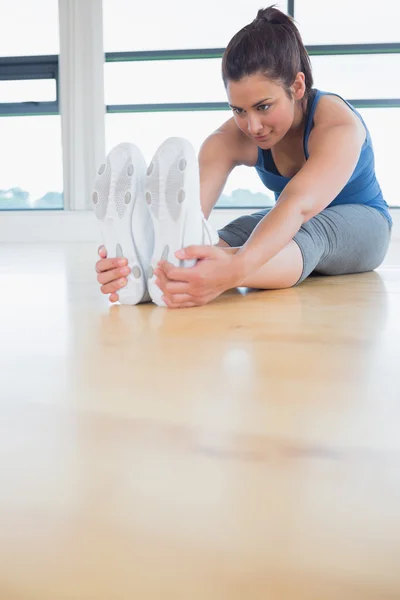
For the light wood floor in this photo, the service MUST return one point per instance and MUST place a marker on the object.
(246, 450)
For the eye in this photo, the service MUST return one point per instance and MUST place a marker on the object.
(238, 111)
(263, 107)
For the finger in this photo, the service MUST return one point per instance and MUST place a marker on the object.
(196, 252)
(171, 287)
(113, 275)
(102, 252)
(161, 280)
(177, 273)
(178, 287)
(114, 297)
(179, 298)
(183, 305)
(105, 264)
(114, 286)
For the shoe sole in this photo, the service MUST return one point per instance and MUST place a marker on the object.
(168, 197)
(119, 182)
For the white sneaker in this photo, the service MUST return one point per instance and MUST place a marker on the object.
(124, 217)
(173, 195)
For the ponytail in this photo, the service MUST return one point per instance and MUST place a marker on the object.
(270, 44)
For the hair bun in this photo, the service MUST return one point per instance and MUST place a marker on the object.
(278, 53)
(270, 15)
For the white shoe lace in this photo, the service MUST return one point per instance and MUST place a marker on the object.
(210, 236)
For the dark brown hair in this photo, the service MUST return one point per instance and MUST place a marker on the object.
(272, 45)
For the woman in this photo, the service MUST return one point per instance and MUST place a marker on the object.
(309, 147)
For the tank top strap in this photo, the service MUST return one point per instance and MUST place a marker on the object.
(310, 116)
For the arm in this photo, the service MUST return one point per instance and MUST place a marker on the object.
(334, 147)
(219, 154)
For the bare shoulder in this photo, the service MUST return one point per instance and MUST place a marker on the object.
(235, 143)
(332, 110)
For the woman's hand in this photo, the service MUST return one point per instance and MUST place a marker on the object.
(112, 273)
(184, 287)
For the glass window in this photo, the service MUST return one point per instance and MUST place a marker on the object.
(200, 80)
(348, 22)
(164, 81)
(161, 25)
(384, 127)
(29, 28)
(244, 188)
(37, 90)
(358, 76)
(149, 130)
(31, 159)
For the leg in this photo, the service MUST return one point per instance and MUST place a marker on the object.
(359, 239)
(282, 271)
(340, 240)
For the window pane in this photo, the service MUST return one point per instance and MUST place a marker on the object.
(31, 159)
(244, 188)
(384, 126)
(38, 90)
(350, 76)
(161, 25)
(164, 81)
(149, 130)
(345, 22)
(29, 28)
(200, 80)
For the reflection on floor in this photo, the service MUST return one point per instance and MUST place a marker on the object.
(246, 449)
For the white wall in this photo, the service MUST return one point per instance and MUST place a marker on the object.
(82, 226)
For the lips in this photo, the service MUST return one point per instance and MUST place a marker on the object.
(261, 138)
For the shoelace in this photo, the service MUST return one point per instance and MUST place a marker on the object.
(207, 232)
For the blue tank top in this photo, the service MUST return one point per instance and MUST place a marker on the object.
(361, 188)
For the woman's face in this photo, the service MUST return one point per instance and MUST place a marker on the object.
(262, 109)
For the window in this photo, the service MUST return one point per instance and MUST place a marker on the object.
(384, 127)
(34, 90)
(160, 25)
(169, 80)
(148, 130)
(162, 81)
(31, 174)
(172, 26)
(29, 28)
(28, 85)
(30, 153)
(360, 76)
(347, 21)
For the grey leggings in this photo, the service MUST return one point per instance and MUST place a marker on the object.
(348, 238)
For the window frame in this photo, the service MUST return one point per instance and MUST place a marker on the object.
(30, 68)
(47, 67)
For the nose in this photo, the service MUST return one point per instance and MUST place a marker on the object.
(254, 125)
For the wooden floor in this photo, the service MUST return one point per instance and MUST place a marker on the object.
(246, 450)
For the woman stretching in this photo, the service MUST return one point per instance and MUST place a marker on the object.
(311, 148)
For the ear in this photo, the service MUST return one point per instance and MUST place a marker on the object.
(299, 86)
